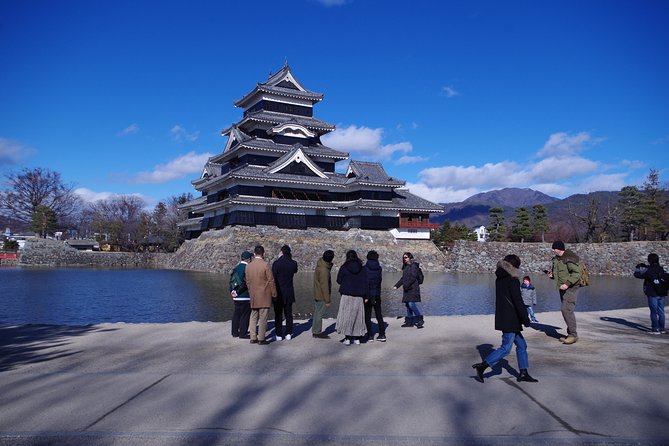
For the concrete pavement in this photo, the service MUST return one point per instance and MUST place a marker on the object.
(185, 384)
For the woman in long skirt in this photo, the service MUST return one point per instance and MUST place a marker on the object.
(352, 280)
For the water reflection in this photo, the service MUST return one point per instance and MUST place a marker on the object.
(87, 296)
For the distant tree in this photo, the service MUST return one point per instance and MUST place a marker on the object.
(654, 206)
(632, 214)
(520, 229)
(43, 220)
(10, 245)
(31, 188)
(444, 236)
(497, 230)
(118, 221)
(539, 222)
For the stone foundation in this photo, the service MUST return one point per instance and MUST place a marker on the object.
(218, 251)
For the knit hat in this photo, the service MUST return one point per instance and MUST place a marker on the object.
(246, 255)
(558, 245)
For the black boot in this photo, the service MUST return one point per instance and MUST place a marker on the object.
(480, 369)
(419, 321)
(524, 376)
(408, 322)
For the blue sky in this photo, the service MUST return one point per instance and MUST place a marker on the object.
(455, 97)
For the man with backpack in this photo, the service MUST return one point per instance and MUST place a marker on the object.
(241, 299)
(566, 271)
(655, 284)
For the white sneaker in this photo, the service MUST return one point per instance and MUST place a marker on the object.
(347, 342)
(278, 338)
(356, 341)
(288, 337)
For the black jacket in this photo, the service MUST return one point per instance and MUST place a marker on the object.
(283, 269)
(510, 312)
(409, 282)
(352, 279)
(374, 277)
(648, 273)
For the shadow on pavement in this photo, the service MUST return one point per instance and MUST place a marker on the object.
(626, 323)
(27, 344)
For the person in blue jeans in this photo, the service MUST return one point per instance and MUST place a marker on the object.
(649, 273)
(411, 279)
(510, 316)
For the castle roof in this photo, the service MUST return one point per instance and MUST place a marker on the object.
(282, 84)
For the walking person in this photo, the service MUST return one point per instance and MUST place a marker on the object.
(566, 271)
(283, 269)
(652, 275)
(529, 295)
(374, 279)
(352, 280)
(412, 278)
(510, 316)
(322, 293)
(240, 297)
(262, 291)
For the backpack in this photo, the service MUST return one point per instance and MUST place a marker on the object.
(585, 275)
(419, 275)
(661, 284)
(235, 281)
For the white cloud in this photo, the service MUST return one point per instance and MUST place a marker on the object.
(13, 152)
(449, 91)
(184, 165)
(129, 130)
(365, 142)
(554, 168)
(181, 135)
(89, 196)
(410, 160)
(441, 194)
(662, 140)
(608, 182)
(634, 164)
(563, 144)
(465, 177)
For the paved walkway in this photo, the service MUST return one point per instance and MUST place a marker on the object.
(191, 384)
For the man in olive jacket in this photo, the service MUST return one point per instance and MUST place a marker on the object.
(322, 292)
(566, 271)
(262, 290)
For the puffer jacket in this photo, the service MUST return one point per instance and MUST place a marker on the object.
(374, 278)
(510, 312)
(566, 269)
(352, 279)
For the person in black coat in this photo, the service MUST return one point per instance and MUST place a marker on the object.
(374, 278)
(510, 316)
(650, 273)
(283, 269)
(412, 277)
(352, 280)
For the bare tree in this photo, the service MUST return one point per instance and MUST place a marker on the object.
(118, 221)
(31, 188)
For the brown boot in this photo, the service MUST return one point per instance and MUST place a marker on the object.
(570, 339)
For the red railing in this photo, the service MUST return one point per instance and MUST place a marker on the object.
(7, 255)
(425, 224)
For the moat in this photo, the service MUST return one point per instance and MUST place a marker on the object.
(80, 296)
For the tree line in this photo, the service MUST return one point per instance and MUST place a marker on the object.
(639, 213)
(39, 200)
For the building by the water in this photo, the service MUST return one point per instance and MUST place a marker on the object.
(275, 171)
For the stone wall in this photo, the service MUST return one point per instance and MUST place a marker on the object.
(220, 250)
(601, 258)
(44, 252)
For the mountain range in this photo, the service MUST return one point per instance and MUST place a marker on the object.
(475, 210)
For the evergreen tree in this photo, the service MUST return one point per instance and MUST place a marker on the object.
(497, 231)
(632, 214)
(540, 221)
(43, 220)
(654, 206)
(520, 230)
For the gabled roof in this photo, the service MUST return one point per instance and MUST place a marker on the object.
(296, 155)
(235, 134)
(276, 118)
(370, 173)
(268, 145)
(282, 83)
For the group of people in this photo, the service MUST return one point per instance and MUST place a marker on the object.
(514, 300)
(255, 287)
